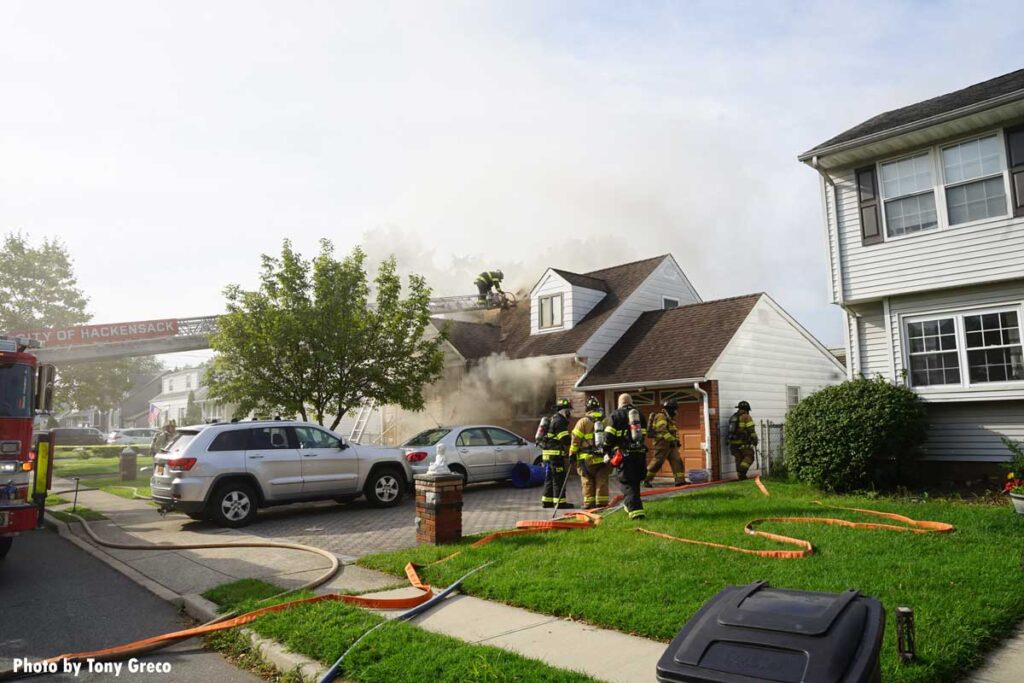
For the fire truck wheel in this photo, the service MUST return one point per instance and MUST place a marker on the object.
(233, 504)
(5, 545)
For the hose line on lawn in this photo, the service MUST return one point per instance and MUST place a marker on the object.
(326, 576)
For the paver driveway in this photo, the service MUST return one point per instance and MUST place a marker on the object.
(355, 529)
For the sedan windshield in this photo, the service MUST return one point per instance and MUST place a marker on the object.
(427, 438)
(15, 390)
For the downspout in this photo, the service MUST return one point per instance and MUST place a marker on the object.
(832, 218)
(707, 426)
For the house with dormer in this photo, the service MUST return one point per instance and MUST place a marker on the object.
(924, 211)
(638, 327)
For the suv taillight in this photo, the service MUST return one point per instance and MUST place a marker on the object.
(183, 464)
(416, 456)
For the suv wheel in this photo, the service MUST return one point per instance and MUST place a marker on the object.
(385, 488)
(233, 504)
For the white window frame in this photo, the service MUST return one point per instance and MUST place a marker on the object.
(799, 398)
(939, 185)
(961, 346)
(540, 312)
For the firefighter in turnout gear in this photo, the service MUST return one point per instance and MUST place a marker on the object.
(625, 434)
(742, 438)
(666, 444)
(589, 457)
(556, 456)
(485, 281)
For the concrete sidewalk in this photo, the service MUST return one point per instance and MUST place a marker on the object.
(179, 574)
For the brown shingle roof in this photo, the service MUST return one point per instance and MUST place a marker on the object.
(472, 340)
(971, 95)
(680, 343)
(582, 280)
(620, 282)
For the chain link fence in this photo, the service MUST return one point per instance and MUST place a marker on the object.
(772, 440)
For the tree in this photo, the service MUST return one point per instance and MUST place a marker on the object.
(102, 384)
(193, 414)
(38, 287)
(307, 341)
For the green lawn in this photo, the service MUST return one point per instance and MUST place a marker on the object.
(83, 512)
(967, 588)
(396, 653)
(76, 467)
(120, 488)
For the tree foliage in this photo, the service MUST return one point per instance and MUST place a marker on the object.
(38, 287)
(855, 435)
(102, 384)
(193, 413)
(309, 342)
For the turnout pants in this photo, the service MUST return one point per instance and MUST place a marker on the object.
(630, 476)
(482, 292)
(595, 483)
(664, 449)
(554, 482)
(744, 456)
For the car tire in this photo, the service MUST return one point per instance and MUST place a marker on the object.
(233, 505)
(5, 546)
(385, 487)
(457, 469)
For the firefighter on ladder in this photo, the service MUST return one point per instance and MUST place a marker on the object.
(742, 438)
(556, 441)
(627, 453)
(666, 444)
(587, 438)
(485, 281)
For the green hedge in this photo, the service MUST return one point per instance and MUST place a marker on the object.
(856, 435)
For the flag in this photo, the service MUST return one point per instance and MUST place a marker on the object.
(154, 415)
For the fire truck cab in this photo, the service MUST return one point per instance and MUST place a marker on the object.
(26, 389)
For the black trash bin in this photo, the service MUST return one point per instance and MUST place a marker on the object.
(756, 634)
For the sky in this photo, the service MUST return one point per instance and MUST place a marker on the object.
(169, 144)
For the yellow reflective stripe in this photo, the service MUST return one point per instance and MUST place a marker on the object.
(587, 436)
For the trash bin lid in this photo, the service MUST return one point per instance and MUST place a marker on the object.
(755, 633)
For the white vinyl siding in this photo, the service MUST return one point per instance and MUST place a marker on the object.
(581, 301)
(768, 355)
(576, 302)
(955, 302)
(972, 431)
(873, 341)
(666, 280)
(968, 254)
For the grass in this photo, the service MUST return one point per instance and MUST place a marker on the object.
(55, 500)
(120, 488)
(93, 467)
(967, 588)
(396, 653)
(83, 512)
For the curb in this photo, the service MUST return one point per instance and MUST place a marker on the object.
(197, 607)
(270, 651)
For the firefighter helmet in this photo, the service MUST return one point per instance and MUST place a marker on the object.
(743, 405)
(501, 275)
(593, 404)
(672, 406)
(563, 404)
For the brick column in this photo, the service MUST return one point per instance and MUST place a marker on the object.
(438, 508)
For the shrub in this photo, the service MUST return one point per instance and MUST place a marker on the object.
(858, 434)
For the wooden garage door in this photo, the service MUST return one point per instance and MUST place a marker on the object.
(687, 421)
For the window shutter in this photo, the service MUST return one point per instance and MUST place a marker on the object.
(1015, 160)
(867, 198)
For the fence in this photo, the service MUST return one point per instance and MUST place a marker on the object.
(772, 441)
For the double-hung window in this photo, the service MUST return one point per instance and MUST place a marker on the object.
(973, 174)
(965, 349)
(549, 311)
(908, 194)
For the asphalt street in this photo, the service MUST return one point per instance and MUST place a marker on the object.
(56, 598)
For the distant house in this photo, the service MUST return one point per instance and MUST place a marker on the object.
(172, 401)
(133, 411)
(639, 327)
(924, 210)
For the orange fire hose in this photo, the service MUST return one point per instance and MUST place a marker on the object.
(579, 519)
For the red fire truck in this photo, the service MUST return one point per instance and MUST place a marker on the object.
(26, 389)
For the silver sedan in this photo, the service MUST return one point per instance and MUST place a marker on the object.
(477, 452)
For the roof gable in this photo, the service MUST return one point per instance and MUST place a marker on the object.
(675, 344)
(998, 87)
(585, 281)
(471, 340)
(620, 281)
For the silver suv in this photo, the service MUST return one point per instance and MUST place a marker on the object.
(225, 471)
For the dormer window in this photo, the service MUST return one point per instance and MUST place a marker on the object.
(550, 308)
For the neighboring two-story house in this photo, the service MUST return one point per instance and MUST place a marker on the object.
(172, 401)
(924, 209)
(637, 327)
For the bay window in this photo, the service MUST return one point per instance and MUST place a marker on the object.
(965, 349)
